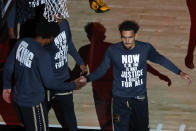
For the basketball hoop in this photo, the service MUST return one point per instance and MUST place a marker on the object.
(53, 8)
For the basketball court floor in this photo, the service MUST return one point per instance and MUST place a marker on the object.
(166, 25)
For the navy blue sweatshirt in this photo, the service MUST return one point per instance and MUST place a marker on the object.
(130, 68)
(59, 49)
(32, 68)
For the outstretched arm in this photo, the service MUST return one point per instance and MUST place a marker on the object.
(157, 58)
(154, 56)
(102, 69)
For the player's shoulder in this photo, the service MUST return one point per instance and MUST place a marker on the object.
(34, 46)
(28, 42)
(30, 45)
(115, 45)
(65, 22)
(142, 44)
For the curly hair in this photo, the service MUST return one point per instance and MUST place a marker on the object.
(47, 29)
(129, 25)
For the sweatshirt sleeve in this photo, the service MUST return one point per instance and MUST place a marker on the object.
(156, 57)
(71, 48)
(9, 70)
(102, 69)
(48, 77)
(73, 52)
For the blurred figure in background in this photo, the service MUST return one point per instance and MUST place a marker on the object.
(192, 39)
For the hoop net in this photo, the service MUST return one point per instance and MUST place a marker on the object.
(53, 8)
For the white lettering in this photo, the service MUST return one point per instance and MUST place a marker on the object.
(61, 55)
(130, 59)
(23, 55)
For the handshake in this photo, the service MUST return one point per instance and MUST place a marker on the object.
(81, 81)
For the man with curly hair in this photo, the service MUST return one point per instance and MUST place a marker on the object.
(129, 61)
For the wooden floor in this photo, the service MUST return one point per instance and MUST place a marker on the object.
(166, 25)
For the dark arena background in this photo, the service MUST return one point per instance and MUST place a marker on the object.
(169, 25)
